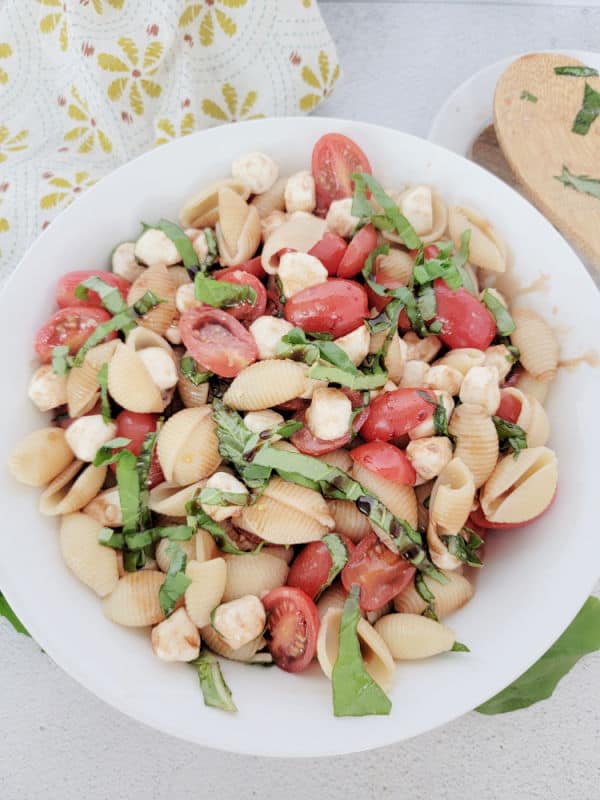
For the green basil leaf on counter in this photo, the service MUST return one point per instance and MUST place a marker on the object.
(189, 369)
(581, 183)
(504, 322)
(459, 647)
(179, 239)
(222, 294)
(577, 72)
(588, 112)
(215, 690)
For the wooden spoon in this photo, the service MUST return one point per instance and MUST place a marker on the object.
(537, 141)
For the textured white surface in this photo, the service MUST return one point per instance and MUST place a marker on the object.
(400, 61)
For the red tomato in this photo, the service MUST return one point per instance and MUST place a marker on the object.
(310, 445)
(380, 573)
(385, 460)
(65, 290)
(393, 414)
(217, 341)
(311, 567)
(246, 312)
(336, 306)
(509, 408)
(275, 305)
(358, 250)
(334, 158)
(69, 327)
(429, 252)
(136, 426)
(253, 266)
(330, 251)
(292, 406)
(404, 324)
(514, 377)
(292, 627)
(466, 322)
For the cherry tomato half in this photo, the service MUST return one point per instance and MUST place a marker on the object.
(393, 414)
(429, 252)
(136, 427)
(69, 327)
(292, 627)
(334, 158)
(509, 408)
(310, 568)
(245, 312)
(311, 445)
(466, 322)
(387, 461)
(65, 290)
(336, 306)
(380, 573)
(330, 251)
(217, 341)
(253, 266)
(358, 250)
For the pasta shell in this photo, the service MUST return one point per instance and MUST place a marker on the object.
(187, 446)
(532, 386)
(452, 497)
(271, 200)
(295, 496)
(170, 498)
(159, 281)
(476, 441)
(520, 488)
(180, 275)
(265, 384)
(202, 210)
(142, 338)
(280, 551)
(448, 597)
(338, 458)
(532, 417)
(46, 389)
(253, 574)
(463, 359)
(486, 248)
(333, 597)
(422, 493)
(134, 602)
(395, 268)
(206, 589)
(440, 222)
(40, 457)
(72, 489)
(163, 559)
(91, 562)
(244, 653)
(410, 636)
(375, 653)
(131, 385)
(238, 229)
(349, 520)
(537, 344)
(192, 396)
(300, 232)
(105, 508)
(83, 390)
(395, 358)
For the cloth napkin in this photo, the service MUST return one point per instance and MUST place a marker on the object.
(86, 85)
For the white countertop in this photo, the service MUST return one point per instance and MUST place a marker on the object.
(400, 61)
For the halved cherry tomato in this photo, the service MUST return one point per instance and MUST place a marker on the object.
(334, 158)
(217, 341)
(385, 460)
(64, 421)
(310, 568)
(292, 627)
(478, 518)
(394, 413)
(69, 327)
(466, 322)
(310, 445)
(404, 324)
(336, 306)
(330, 251)
(429, 252)
(65, 290)
(136, 427)
(358, 250)
(253, 266)
(380, 573)
(245, 312)
(509, 408)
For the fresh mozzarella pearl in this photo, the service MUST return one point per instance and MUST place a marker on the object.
(329, 414)
(176, 638)
(429, 456)
(446, 378)
(339, 218)
(240, 621)
(480, 387)
(355, 344)
(225, 483)
(124, 262)
(155, 247)
(86, 435)
(298, 271)
(185, 298)
(198, 240)
(161, 367)
(47, 390)
(257, 170)
(500, 359)
(414, 374)
(267, 333)
(300, 192)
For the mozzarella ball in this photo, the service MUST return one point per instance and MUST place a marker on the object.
(267, 333)
(427, 427)
(421, 349)
(355, 344)
(176, 638)
(271, 222)
(173, 334)
(417, 206)
(429, 456)
(161, 367)
(414, 374)
(240, 621)
(480, 387)
(87, 434)
(339, 218)
(185, 298)
(225, 483)
(310, 385)
(257, 170)
(498, 356)
(300, 192)
(329, 414)
(47, 390)
(124, 262)
(260, 421)
(446, 378)
(299, 271)
(154, 247)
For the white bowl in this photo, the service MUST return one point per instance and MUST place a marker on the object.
(534, 581)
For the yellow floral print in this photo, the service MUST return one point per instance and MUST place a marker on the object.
(134, 76)
(4, 226)
(11, 144)
(208, 11)
(87, 131)
(56, 20)
(97, 4)
(231, 112)
(67, 190)
(5, 52)
(306, 3)
(323, 84)
(166, 130)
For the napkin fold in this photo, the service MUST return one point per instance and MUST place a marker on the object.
(86, 85)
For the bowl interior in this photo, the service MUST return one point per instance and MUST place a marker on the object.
(534, 580)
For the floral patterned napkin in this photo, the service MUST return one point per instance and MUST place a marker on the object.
(86, 85)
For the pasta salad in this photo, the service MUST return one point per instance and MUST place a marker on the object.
(282, 428)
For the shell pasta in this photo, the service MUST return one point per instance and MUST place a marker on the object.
(280, 429)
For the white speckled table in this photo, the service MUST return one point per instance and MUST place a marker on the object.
(400, 61)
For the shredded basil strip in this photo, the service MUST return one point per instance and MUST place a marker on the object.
(109, 538)
(339, 558)
(426, 595)
(392, 218)
(110, 296)
(296, 345)
(176, 581)
(189, 369)
(61, 360)
(120, 322)
(213, 251)
(129, 490)
(9, 615)
(222, 294)
(581, 183)
(464, 549)
(440, 418)
(510, 436)
(504, 322)
(179, 239)
(198, 518)
(217, 497)
(459, 647)
(588, 112)
(355, 693)
(215, 690)
(176, 533)
(447, 265)
(357, 381)
(102, 379)
(525, 95)
(144, 462)
(577, 72)
(106, 454)
(146, 303)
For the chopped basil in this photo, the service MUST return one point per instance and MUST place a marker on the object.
(8, 614)
(119, 322)
(459, 647)
(216, 497)
(357, 380)
(425, 594)
(176, 581)
(427, 303)
(110, 296)
(504, 322)
(198, 518)
(109, 538)
(391, 219)
(129, 490)
(213, 251)
(588, 112)
(339, 558)
(102, 379)
(179, 239)
(510, 436)
(440, 418)
(106, 455)
(143, 465)
(447, 266)
(296, 345)
(464, 549)
(525, 95)
(61, 360)
(436, 327)
(146, 303)
(577, 72)
(222, 294)
(581, 183)
(355, 693)
(513, 353)
(214, 688)
(176, 533)
(189, 369)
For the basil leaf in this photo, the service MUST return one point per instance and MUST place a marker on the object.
(176, 581)
(110, 296)
(213, 250)
(588, 111)
(8, 614)
(198, 518)
(355, 693)
(133, 560)
(109, 538)
(236, 445)
(464, 549)
(510, 436)
(459, 647)
(217, 497)
(106, 455)
(61, 360)
(102, 379)
(577, 72)
(581, 183)
(392, 217)
(216, 692)
(176, 533)
(146, 303)
(120, 322)
(297, 346)
(427, 303)
(358, 380)
(144, 462)
(189, 369)
(179, 239)
(222, 294)
(129, 490)
(525, 95)
(448, 266)
(504, 322)
(339, 558)
(425, 594)
(539, 682)
(440, 418)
